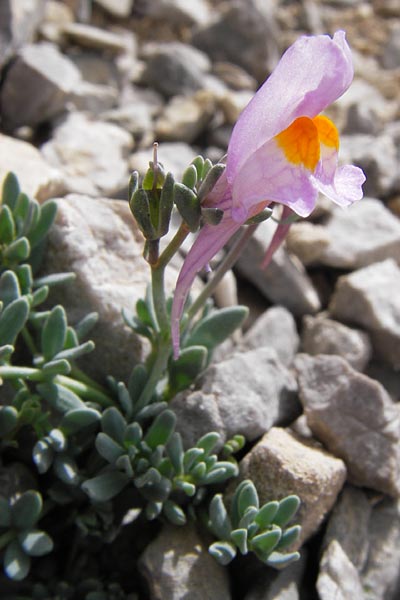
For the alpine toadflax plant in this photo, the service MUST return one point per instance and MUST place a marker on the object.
(282, 150)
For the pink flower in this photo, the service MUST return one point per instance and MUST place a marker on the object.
(281, 150)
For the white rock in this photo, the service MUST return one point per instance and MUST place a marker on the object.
(36, 177)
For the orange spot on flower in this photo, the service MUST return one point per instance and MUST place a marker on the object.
(327, 132)
(300, 143)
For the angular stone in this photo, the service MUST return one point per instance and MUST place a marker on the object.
(377, 156)
(349, 524)
(56, 15)
(117, 8)
(92, 155)
(185, 117)
(338, 577)
(370, 298)
(174, 68)
(179, 11)
(42, 74)
(279, 585)
(246, 393)
(275, 328)
(345, 241)
(97, 239)
(282, 463)
(18, 24)
(354, 417)
(368, 531)
(36, 177)
(326, 336)
(243, 33)
(89, 36)
(233, 103)
(177, 565)
(284, 281)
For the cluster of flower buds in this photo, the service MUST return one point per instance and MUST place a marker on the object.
(151, 203)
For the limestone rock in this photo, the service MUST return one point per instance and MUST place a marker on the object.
(174, 68)
(89, 36)
(275, 328)
(42, 74)
(377, 156)
(18, 24)
(117, 8)
(97, 239)
(282, 463)
(354, 417)
(246, 393)
(284, 281)
(326, 336)
(91, 154)
(36, 177)
(281, 585)
(185, 117)
(177, 565)
(370, 298)
(338, 577)
(179, 11)
(368, 531)
(355, 237)
(243, 33)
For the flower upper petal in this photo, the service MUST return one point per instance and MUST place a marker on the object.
(312, 73)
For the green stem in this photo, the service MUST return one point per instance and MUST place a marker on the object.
(28, 339)
(157, 371)
(174, 245)
(227, 263)
(79, 375)
(85, 391)
(159, 302)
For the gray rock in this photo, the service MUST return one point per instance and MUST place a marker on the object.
(174, 68)
(246, 393)
(281, 585)
(338, 578)
(362, 109)
(97, 239)
(117, 8)
(18, 24)
(234, 76)
(345, 242)
(380, 576)
(233, 103)
(42, 74)
(282, 463)
(391, 53)
(284, 281)
(387, 376)
(377, 156)
(92, 155)
(175, 156)
(354, 417)
(89, 36)
(177, 565)
(94, 98)
(326, 336)
(36, 177)
(370, 298)
(95, 68)
(243, 33)
(275, 328)
(368, 531)
(56, 15)
(185, 117)
(197, 12)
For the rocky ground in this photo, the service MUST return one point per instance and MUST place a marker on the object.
(314, 382)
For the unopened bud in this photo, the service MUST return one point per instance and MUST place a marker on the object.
(211, 179)
(140, 208)
(166, 204)
(188, 206)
